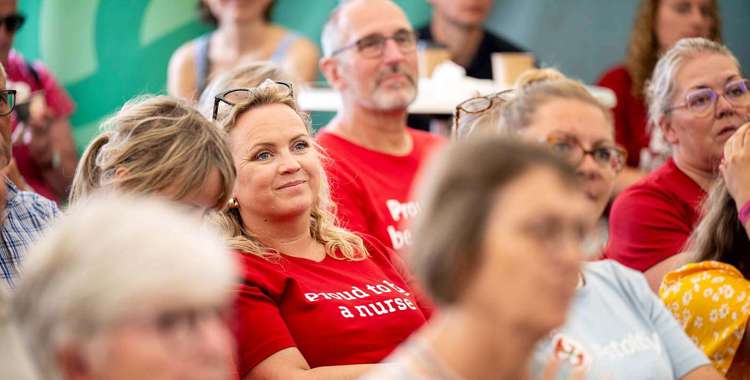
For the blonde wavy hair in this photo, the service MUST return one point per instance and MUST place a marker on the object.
(643, 47)
(339, 243)
(151, 144)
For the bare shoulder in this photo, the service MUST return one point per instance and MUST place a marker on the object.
(181, 71)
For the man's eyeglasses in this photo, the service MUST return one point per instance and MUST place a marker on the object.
(570, 149)
(466, 112)
(702, 101)
(12, 22)
(238, 95)
(372, 46)
(7, 101)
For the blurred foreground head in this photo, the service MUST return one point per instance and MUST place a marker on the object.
(125, 288)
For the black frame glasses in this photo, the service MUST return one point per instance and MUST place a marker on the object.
(7, 102)
(373, 45)
(13, 23)
(477, 105)
(224, 97)
(695, 99)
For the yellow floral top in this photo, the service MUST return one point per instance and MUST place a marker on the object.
(711, 300)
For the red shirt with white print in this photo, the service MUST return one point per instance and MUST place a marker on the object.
(372, 190)
(336, 312)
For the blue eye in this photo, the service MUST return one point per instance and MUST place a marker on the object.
(300, 145)
(262, 156)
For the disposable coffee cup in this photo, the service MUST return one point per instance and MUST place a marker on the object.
(507, 67)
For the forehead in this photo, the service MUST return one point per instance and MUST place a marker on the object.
(706, 70)
(268, 123)
(361, 18)
(584, 121)
(558, 198)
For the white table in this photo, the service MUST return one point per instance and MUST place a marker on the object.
(433, 97)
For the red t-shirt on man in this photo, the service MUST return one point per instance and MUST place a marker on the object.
(630, 114)
(372, 190)
(336, 312)
(651, 220)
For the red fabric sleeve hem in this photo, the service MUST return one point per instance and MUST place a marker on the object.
(249, 360)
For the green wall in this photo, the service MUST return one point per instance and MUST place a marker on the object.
(107, 51)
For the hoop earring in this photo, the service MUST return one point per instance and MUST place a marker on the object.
(232, 203)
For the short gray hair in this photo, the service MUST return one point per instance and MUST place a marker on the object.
(330, 38)
(104, 257)
(661, 88)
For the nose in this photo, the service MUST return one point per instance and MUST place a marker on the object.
(288, 163)
(391, 52)
(723, 107)
(588, 166)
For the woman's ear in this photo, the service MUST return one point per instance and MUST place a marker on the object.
(121, 172)
(667, 130)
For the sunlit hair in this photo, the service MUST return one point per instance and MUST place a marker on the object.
(720, 236)
(151, 144)
(662, 88)
(457, 195)
(536, 88)
(339, 243)
(643, 47)
(330, 37)
(245, 76)
(106, 257)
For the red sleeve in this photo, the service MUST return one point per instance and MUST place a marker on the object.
(260, 330)
(618, 81)
(645, 228)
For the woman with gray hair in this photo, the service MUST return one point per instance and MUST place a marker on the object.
(698, 97)
(123, 288)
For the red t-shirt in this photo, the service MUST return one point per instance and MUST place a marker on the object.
(630, 114)
(335, 312)
(651, 220)
(57, 100)
(372, 190)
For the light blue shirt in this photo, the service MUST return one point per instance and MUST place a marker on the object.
(618, 328)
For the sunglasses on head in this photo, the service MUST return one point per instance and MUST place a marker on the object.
(12, 22)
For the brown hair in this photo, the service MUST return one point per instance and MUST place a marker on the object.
(643, 47)
(153, 143)
(339, 243)
(720, 236)
(457, 198)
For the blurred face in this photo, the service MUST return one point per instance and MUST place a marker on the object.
(699, 139)
(577, 125)
(531, 255)
(203, 199)
(278, 168)
(465, 13)
(164, 344)
(238, 10)
(7, 8)
(386, 82)
(676, 19)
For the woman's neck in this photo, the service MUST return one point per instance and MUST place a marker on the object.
(701, 176)
(236, 38)
(290, 236)
(475, 347)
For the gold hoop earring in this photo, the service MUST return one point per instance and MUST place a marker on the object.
(232, 203)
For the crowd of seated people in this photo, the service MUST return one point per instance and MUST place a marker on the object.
(213, 234)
